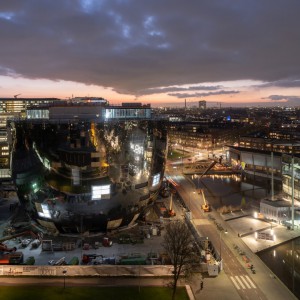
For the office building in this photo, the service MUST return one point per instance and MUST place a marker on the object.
(10, 109)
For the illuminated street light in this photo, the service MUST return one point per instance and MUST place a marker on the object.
(64, 273)
(221, 263)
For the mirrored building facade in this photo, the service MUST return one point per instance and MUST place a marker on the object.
(93, 174)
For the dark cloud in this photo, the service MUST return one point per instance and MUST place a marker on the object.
(285, 83)
(276, 97)
(136, 45)
(187, 95)
(172, 89)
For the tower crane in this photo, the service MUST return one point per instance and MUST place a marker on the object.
(15, 96)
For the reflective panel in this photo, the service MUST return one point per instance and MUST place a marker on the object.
(88, 176)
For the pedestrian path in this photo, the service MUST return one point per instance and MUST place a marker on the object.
(242, 282)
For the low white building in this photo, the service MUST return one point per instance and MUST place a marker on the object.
(276, 210)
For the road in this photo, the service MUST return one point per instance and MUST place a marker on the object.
(234, 282)
(241, 277)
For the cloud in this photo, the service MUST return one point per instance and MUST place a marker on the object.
(8, 72)
(285, 83)
(178, 89)
(295, 100)
(140, 45)
(187, 95)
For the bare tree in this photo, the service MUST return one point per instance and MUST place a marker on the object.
(179, 244)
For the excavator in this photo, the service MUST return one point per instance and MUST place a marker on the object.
(205, 206)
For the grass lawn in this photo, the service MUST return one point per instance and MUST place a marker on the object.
(90, 293)
(175, 154)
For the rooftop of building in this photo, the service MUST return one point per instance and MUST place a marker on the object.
(277, 202)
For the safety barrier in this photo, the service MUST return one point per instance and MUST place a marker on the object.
(99, 270)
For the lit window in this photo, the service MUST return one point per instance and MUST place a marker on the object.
(46, 211)
(156, 179)
(100, 192)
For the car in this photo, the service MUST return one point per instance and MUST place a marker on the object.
(97, 261)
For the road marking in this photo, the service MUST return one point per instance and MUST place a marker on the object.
(235, 284)
(250, 281)
(240, 282)
(245, 281)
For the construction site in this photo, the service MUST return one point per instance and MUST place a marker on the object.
(23, 243)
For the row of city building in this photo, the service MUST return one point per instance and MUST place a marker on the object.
(261, 142)
(86, 159)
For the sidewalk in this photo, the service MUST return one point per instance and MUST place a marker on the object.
(219, 287)
(269, 284)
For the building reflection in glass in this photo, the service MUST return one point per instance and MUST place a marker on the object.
(99, 176)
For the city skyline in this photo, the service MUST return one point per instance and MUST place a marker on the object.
(163, 53)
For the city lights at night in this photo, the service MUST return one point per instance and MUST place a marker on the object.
(150, 149)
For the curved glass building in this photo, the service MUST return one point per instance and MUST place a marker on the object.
(94, 173)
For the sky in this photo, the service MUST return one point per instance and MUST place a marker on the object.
(163, 52)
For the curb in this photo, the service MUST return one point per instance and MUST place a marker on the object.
(189, 292)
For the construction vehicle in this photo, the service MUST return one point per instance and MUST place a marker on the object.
(87, 258)
(58, 262)
(107, 242)
(29, 261)
(74, 261)
(23, 233)
(10, 256)
(97, 260)
(4, 248)
(205, 206)
(171, 212)
(15, 258)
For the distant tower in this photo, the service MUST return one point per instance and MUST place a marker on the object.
(185, 104)
(202, 104)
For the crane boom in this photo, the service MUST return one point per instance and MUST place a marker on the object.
(205, 206)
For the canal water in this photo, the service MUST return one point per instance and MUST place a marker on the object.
(237, 191)
(234, 192)
(284, 261)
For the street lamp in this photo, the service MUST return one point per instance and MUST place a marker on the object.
(221, 262)
(198, 185)
(64, 273)
(182, 158)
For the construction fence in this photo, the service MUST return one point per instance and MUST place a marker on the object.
(99, 270)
